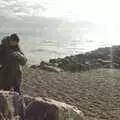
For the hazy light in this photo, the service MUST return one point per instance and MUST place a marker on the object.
(103, 13)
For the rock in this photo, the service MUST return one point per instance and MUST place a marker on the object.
(34, 66)
(14, 107)
(10, 106)
(115, 65)
(104, 62)
(48, 109)
(49, 67)
(55, 60)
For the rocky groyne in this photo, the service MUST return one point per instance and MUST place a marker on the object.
(108, 57)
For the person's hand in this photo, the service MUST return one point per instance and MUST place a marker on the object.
(16, 54)
(20, 57)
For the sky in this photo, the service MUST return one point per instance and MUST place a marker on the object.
(98, 11)
(102, 14)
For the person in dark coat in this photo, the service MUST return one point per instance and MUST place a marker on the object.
(11, 58)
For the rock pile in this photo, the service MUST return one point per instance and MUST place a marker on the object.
(108, 57)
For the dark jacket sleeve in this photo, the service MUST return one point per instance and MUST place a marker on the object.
(20, 58)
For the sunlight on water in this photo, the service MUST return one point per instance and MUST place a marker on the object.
(38, 48)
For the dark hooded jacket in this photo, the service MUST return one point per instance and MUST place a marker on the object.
(11, 58)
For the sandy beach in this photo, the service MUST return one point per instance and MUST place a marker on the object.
(95, 92)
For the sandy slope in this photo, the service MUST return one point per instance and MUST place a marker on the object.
(95, 92)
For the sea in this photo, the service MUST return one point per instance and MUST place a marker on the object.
(37, 48)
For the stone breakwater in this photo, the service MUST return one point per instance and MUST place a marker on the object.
(108, 57)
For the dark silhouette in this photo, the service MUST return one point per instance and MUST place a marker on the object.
(11, 58)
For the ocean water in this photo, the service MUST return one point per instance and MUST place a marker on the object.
(38, 48)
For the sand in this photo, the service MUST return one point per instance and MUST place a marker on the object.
(95, 92)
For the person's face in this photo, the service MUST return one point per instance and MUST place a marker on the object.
(13, 43)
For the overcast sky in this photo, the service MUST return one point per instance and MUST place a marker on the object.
(104, 13)
(101, 11)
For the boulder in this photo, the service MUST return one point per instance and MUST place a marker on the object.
(49, 67)
(17, 107)
(48, 109)
(11, 106)
(34, 66)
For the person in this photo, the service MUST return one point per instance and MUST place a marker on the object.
(11, 58)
